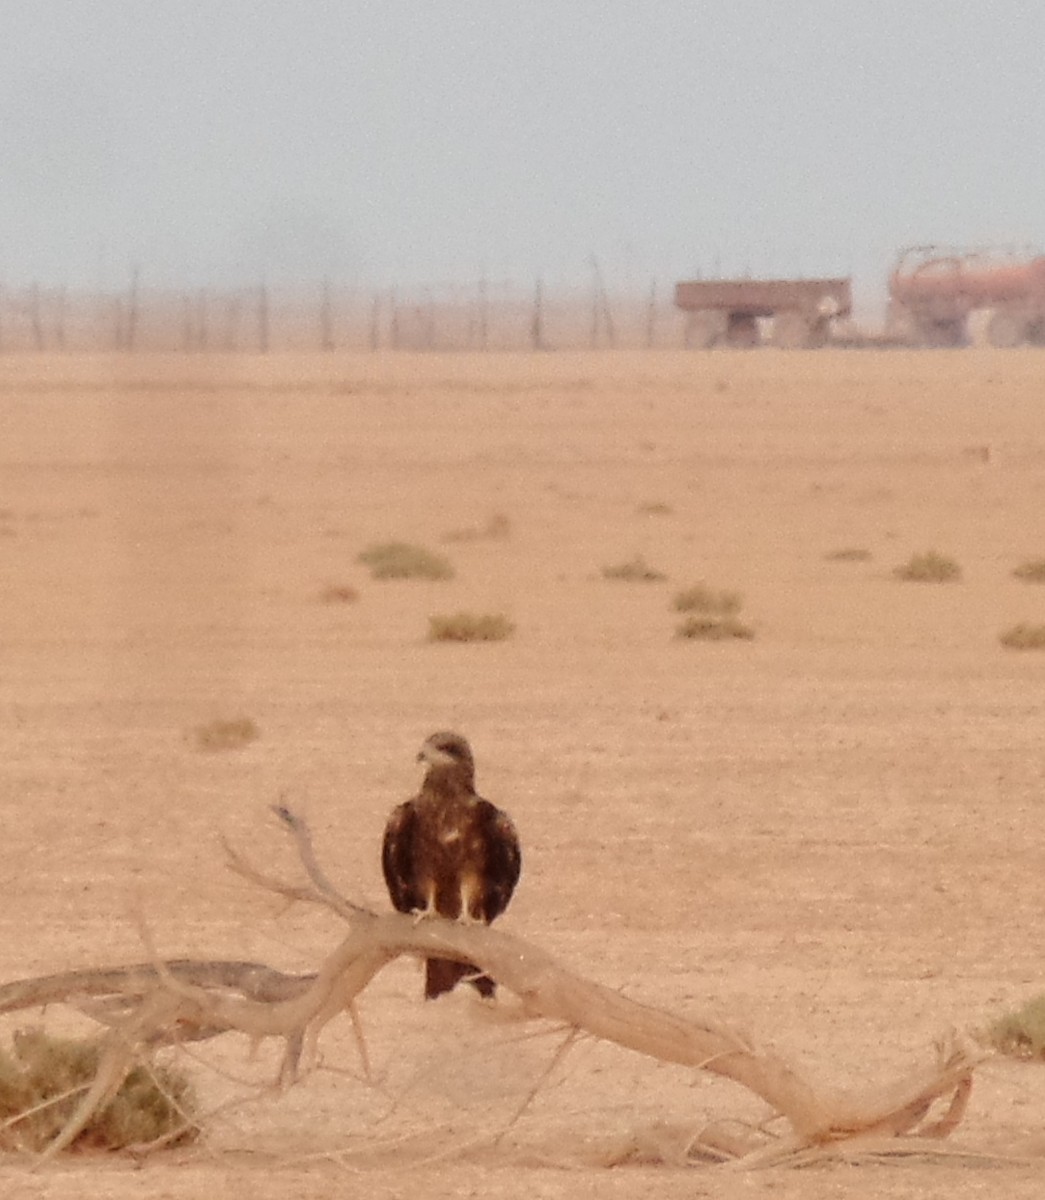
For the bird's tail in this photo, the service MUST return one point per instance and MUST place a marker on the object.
(443, 975)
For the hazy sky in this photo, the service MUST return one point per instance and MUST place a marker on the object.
(385, 141)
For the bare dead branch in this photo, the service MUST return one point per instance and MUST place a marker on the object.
(171, 1002)
(299, 830)
(131, 983)
(294, 893)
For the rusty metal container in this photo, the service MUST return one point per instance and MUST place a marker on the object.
(932, 291)
(970, 279)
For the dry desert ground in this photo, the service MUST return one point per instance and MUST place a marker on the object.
(829, 834)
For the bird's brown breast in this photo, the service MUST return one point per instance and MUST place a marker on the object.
(453, 857)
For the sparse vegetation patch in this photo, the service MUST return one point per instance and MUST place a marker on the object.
(1020, 1033)
(469, 627)
(711, 628)
(929, 567)
(1032, 571)
(44, 1078)
(848, 554)
(1024, 637)
(230, 734)
(635, 570)
(402, 560)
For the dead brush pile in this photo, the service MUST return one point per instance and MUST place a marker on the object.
(43, 1079)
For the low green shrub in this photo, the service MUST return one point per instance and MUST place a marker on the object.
(402, 560)
(1023, 637)
(710, 628)
(635, 570)
(929, 567)
(469, 627)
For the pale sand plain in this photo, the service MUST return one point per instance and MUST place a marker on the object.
(830, 834)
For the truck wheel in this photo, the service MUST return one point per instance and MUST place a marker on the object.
(792, 331)
(946, 334)
(742, 331)
(705, 328)
(1006, 329)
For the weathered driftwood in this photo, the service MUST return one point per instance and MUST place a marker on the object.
(169, 1002)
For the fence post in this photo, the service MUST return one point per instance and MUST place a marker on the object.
(537, 318)
(651, 314)
(600, 307)
(326, 318)
(59, 318)
(263, 318)
(484, 316)
(429, 320)
(131, 328)
(394, 327)
(202, 320)
(34, 317)
(232, 319)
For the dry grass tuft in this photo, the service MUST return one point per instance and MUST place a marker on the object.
(635, 570)
(1021, 1033)
(654, 508)
(848, 554)
(230, 734)
(929, 567)
(1023, 637)
(338, 593)
(44, 1078)
(497, 529)
(401, 560)
(1032, 571)
(701, 599)
(710, 628)
(469, 627)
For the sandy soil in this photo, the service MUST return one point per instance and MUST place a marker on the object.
(830, 833)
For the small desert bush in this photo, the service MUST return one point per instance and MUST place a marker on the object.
(229, 734)
(497, 529)
(1032, 571)
(338, 593)
(701, 599)
(655, 508)
(1020, 1033)
(469, 627)
(848, 554)
(1023, 637)
(708, 627)
(635, 570)
(43, 1079)
(929, 567)
(401, 560)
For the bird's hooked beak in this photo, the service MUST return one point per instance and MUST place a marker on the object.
(432, 756)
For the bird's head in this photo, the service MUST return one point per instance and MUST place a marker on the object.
(445, 750)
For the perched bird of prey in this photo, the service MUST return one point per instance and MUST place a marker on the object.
(449, 851)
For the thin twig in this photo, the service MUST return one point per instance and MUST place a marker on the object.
(299, 830)
(561, 1051)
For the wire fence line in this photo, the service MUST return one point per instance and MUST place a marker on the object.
(483, 316)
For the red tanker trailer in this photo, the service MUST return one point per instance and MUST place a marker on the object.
(932, 292)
